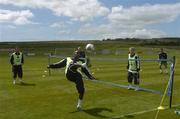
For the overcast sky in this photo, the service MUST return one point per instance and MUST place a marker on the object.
(26, 20)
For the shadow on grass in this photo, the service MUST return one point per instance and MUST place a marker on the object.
(95, 112)
(26, 84)
(129, 116)
(124, 117)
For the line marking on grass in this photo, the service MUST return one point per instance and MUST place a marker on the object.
(162, 100)
(142, 112)
(124, 86)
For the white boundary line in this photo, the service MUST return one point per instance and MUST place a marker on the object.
(142, 112)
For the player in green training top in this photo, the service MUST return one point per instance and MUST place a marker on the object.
(133, 68)
(17, 60)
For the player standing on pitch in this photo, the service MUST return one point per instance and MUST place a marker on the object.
(133, 68)
(163, 56)
(73, 74)
(17, 60)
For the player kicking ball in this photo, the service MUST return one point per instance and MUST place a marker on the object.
(133, 69)
(74, 75)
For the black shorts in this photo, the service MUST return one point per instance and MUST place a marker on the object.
(163, 63)
(133, 76)
(17, 71)
(76, 77)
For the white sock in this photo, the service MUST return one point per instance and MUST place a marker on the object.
(14, 81)
(130, 86)
(79, 103)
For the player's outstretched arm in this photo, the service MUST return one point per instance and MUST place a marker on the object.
(59, 64)
(87, 73)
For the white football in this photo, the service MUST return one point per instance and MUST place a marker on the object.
(89, 46)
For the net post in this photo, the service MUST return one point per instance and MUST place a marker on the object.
(49, 61)
(171, 95)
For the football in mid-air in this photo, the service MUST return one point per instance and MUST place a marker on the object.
(89, 46)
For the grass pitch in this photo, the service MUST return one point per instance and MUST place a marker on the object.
(54, 97)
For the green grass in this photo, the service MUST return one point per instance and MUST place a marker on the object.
(54, 97)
